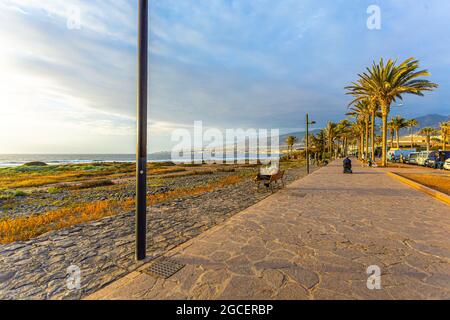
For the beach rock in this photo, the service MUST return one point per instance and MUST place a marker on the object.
(35, 164)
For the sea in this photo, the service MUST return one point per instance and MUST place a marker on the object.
(15, 160)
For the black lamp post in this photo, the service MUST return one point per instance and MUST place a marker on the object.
(307, 142)
(141, 147)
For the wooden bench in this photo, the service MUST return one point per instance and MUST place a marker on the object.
(270, 180)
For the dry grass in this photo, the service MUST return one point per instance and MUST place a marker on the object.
(165, 171)
(30, 177)
(91, 184)
(439, 182)
(22, 229)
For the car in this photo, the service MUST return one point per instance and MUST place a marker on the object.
(447, 164)
(412, 158)
(404, 155)
(441, 157)
(399, 155)
(432, 160)
(423, 156)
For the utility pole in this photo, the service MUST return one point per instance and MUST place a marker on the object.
(141, 147)
(307, 142)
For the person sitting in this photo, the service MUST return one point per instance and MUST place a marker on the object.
(347, 165)
(266, 173)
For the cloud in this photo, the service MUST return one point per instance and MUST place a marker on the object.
(230, 63)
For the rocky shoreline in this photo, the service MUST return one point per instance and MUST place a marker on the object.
(103, 250)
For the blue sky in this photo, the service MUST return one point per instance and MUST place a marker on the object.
(231, 64)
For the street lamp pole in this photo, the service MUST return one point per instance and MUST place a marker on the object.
(307, 142)
(141, 147)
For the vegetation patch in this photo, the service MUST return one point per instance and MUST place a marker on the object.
(226, 169)
(35, 164)
(37, 176)
(53, 190)
(25, 228)
(92, 184)
(10, 194)
(165, 171)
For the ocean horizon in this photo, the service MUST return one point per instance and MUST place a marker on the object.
(15, 160)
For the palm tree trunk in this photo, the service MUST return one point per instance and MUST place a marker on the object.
(444, 142)
(330, 148)
(412, 137)
(428, 143)
(391, 134)
(372, 135)
(367, 139)
(361, 143)
(384, 137)
(397, 136)
(346, 146)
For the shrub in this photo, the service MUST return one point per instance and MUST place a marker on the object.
(9, 194)
(162, 164)
(53, 190)
(92, 184)
(191, 165)
(225, 169)
(35, 164)
(20, 194)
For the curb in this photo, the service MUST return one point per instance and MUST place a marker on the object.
(435, 194)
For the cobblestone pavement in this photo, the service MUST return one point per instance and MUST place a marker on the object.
(104, 249)
(314, 240)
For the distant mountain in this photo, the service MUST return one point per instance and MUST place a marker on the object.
(429, 120)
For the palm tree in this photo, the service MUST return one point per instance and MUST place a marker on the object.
(398, 123)
(361, 109)
(428, 132)
(290, 141)
(445, 133)
(318, 143)
(330, 131)
(378, 140)
(435, 140)
(411, 123)
(374, 113)
(357, 132)
(387, 82)
(343, 132)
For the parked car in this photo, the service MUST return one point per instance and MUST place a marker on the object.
(432, 160)
(399, 155)
(442, 156)
(412, 158)
(423, 156)
(447, 164)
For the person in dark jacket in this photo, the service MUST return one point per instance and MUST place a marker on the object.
(347, 165)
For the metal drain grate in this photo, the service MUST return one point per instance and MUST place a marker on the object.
(164, 268)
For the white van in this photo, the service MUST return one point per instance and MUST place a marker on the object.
(422, 157)
(412, 158)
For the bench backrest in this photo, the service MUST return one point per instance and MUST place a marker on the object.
(277, 176)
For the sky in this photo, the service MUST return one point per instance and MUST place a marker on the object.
(68, 67)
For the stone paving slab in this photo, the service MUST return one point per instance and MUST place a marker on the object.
(314, 240)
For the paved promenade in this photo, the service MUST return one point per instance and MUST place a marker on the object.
(314, 240)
